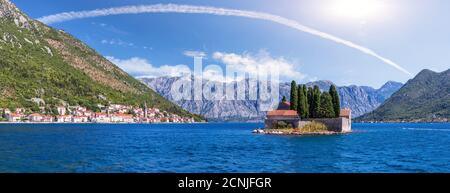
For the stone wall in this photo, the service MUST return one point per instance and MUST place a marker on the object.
(340, 124)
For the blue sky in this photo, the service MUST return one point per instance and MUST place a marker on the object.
(413, 33)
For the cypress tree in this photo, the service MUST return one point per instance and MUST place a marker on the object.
(294, 96)
(336, 102)
(310, 102)
(299, 101)
(326, 109)
(305, 93)
(316, 101)
(301, 107)
(283, 99)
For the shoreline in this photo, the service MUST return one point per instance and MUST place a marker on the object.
(399, 122)
(93, 123)
(2, 122)
(298, 133)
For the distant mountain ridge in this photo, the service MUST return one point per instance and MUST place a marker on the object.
(39, 63)
(426, 98)
(361, 99)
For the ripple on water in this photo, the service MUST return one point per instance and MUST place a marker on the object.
(221, 148)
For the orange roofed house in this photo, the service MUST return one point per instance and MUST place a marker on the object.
(282, 114)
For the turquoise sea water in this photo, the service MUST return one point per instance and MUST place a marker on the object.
(220, 147)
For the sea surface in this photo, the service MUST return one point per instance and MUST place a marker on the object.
(221, 147)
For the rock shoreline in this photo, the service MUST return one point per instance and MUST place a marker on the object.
(297, 133)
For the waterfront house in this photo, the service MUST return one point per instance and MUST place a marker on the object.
(35, 117)
(80, 119)
(174, 120)
(14, 117)
(164, 120)
(282, 115)
(101, 118)
(47, 119)
(122, 118)
(88, 113)
(64, 118)
(154, 120)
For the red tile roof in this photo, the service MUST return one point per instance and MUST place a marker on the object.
(16, 115)
(122, 115)
(286, 113)
(284, 106)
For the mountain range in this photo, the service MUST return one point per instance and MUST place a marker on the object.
(361, 99)
(425, 98)
(42, 66)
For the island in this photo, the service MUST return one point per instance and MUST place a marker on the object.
(309, 112)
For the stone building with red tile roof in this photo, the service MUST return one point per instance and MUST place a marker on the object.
(290, 118)
(282, 114)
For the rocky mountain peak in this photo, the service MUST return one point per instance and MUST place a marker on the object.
(426, 72)
(10, 12)
(361, 99)
(324, 85)
(391, 84)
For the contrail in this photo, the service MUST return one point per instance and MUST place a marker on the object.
(175, 8)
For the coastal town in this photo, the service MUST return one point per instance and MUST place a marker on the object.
(115, 113)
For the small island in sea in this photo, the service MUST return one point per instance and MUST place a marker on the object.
(309, 112)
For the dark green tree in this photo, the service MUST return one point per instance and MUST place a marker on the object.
(54, 111)
(310, 102)
(283, 99)
(35, 108)
(325, 109)
(299, 101)
(294, 96)
(301, 107)
(336, 102)
(316, 101)
(305, 93)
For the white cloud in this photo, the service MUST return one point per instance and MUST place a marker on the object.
(242, 63)
(192, 54)
(117, 42)
(147, 48)
(140, 67)
(262, 61)
(190, 9)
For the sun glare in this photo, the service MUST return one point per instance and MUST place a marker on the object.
(356, 9)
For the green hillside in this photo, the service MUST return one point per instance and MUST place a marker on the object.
(38, 62)
(424, 98)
